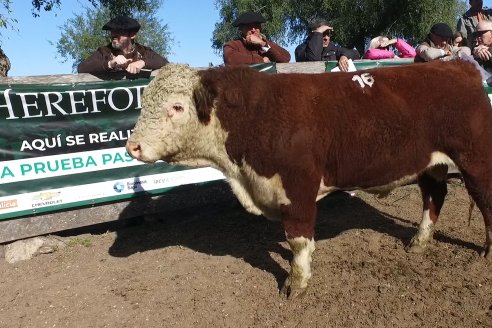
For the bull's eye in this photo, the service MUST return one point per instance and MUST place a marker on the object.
(175, 109)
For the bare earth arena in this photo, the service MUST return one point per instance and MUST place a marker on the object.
(379, 262)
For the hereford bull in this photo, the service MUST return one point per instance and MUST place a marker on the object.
(285, 141)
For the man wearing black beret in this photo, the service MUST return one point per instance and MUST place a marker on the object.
(252, 47)
(438, 45)
(123, 56)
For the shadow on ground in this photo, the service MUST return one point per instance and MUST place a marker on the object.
(213, 222)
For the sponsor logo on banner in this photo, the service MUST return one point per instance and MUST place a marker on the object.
(136, 185)
(5, 204)
(119, 187)
(46, 195)
(46, 199)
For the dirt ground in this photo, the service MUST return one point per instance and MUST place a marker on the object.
(217, 266)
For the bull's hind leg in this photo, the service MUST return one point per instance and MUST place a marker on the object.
(479, 187)
(433, 187)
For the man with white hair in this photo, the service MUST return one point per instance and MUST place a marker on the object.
(467, 24)
(483, 49)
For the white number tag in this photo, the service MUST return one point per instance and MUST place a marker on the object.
(364, 79)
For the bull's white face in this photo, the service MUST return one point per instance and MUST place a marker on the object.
(168, 118)
(161, 134)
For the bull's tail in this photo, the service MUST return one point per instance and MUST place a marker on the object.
(470, 209)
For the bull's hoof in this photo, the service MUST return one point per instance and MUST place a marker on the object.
(487, 252)
(292, 292)
(415, 248)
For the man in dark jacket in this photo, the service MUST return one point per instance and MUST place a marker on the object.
(123, 56)
(467, 24)
(319, 47)
(252, 47)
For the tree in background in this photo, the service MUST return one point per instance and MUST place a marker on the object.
(116, 7)
(109, 9)
(5, 21)
(354, 21)
(83, 34)
(5, 18)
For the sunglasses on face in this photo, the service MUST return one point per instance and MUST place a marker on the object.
(478, 34)
(327, 33)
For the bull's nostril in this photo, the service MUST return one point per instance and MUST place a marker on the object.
(133, 149)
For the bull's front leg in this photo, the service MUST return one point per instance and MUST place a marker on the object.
(299, 231)
(300, 267)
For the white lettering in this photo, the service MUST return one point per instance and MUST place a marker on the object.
(93, 138)
(49, 103)
(26, 106)
(139, 96)
(8, 105)
(95, 100)
(25, 145)
(74, 102)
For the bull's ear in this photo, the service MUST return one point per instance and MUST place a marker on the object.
(203, 97)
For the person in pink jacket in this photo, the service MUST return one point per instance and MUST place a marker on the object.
(379, 49)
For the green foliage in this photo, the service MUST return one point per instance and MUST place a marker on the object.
(6, 19)
(83, 34)
(116, 7)
(354, 21)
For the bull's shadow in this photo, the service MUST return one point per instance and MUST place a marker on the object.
(218, 225)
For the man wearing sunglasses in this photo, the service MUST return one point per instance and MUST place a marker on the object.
(123, 57)
(252, 47)
(467, 24)
(319, 47)
(483, 49)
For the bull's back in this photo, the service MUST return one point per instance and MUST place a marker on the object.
(359, 120)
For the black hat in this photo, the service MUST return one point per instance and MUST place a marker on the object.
(442, 29)
(248, 17)
(122, 23)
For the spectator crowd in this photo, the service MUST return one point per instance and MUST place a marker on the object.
(124, 57)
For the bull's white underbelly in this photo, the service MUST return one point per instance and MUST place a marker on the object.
(437, 158)
(263, 196)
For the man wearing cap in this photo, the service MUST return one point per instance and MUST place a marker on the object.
(252, 47)
(467, 24)
(123, 55)
(319, 47)
(438, 45)
(483, 50)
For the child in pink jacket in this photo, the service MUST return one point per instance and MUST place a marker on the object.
(379, 49)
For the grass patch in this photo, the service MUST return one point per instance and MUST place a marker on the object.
(86, 242)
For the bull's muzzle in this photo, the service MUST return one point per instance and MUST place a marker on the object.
(134, 150)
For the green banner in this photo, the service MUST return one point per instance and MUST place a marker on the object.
(367, 63)
(269, 68)
(62, 146)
